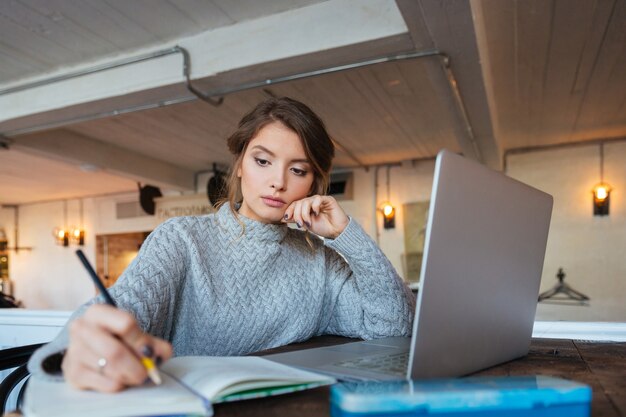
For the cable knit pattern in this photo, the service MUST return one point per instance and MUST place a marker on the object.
(209, 290)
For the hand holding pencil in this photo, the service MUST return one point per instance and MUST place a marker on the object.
(108, 351)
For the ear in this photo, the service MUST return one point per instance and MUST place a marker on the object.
(239, 172)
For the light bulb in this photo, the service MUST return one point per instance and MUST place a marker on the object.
(601, 193)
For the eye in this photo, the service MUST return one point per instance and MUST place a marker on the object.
(299, 172)
(261, 162)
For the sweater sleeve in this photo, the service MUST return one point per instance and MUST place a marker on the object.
(367, 298)
(146, 289)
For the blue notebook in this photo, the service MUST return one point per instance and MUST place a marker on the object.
(536, 396)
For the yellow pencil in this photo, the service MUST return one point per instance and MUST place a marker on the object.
(153, 372)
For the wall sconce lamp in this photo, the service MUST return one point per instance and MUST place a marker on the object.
(77, 234)
(389, 215)
(63, 236)
(601, 191)
(387, 209)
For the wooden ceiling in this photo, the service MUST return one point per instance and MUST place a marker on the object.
(25, 178)
(556, 69)
(379, 114)
(39, 36)
(553, 72)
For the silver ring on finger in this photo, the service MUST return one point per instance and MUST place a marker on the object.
(102, 363)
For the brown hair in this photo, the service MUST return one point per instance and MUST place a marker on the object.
(317, 144)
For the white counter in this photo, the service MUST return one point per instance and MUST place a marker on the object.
(581, 330)
(20, 326)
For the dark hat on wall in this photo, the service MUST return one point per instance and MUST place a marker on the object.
(216, 187)
(147, 194)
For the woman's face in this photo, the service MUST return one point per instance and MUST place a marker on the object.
(274, 173)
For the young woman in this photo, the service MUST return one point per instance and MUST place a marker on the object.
(239, 280)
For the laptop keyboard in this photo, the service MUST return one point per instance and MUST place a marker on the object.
(388, 364)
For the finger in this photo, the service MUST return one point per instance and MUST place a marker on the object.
(129, 370)
(88, 379)
(335, 217)
(316, 205)
(288, 213)
(142, 346)
(329, 203)
(123, 364)
(305, 212)
(119, 323)
(162, 350)
(89, 364)
(124, 326)
(80, 368)
(297, 213)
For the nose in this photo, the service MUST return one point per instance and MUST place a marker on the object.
(278, 180)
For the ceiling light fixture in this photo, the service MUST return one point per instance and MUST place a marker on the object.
(87, 167)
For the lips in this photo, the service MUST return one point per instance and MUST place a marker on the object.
(273, 202)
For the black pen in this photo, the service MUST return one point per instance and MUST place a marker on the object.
(148, 363)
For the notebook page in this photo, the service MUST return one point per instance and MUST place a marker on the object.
(212, 375)
(53, 398)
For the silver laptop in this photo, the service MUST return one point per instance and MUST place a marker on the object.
(483, 256)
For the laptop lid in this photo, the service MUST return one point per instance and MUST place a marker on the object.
(483, 257)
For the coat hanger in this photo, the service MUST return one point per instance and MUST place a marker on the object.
(569, 294)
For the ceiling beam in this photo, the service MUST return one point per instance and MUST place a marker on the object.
(89, 153)
(414, 19)
(342, 31)
(451, 28)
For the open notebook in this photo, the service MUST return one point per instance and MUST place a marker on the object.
(190, 385)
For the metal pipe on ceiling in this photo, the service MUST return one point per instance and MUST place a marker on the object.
(187, 71)
(460, 104)
(220, 92)
(550, 147)
(350, 154)
(90, 70)
(127, 61)
(376, 227)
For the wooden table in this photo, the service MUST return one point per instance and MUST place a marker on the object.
(601, 365)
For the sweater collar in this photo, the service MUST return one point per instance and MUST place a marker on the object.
(254, 230)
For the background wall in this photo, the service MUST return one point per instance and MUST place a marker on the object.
(51, 276)
(590, 249)
(45, 277)
(407, 183)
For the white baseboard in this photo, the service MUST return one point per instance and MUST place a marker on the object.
(581, 330)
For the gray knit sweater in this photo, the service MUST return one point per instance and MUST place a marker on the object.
(209, 290)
